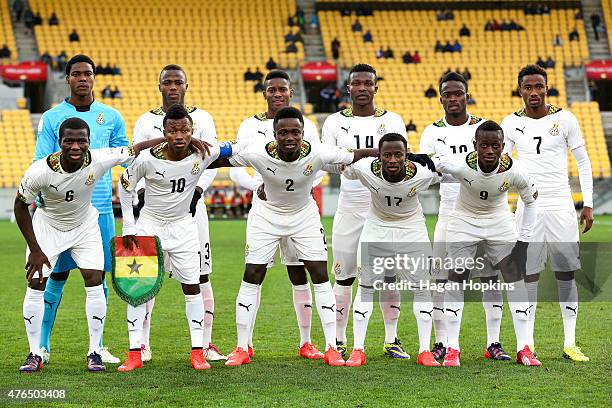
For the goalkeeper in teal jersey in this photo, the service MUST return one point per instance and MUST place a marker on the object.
(107, 130)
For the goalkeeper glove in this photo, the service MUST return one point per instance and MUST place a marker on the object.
(422, 159)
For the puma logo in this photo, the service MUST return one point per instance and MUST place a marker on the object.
(147, 316)
(500, 307)
(53, 187)
(49, 303)
(328, 307)
(245, 306)
(341, 311)
(525, 312)
(575, 309)
(158, 128)
(262, 133)
(426, 312)
(395, 307)
(271, 171)
(521, 130)
(198, 321)
(162, 173)
(441, 309)
(307, 306)
(28, 319)
(456, 312)
(132, 322)
(360, 313)
(468, 181)
(442, 140)
(101, 319)
(345, 129)
(209, 312)
(375, 189)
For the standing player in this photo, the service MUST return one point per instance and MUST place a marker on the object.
(455, 132)
(173, 86)
(395, 224)
(288, 166)
(481, 217)
(542, 135)
(107, 129)
(361, 126)
(278, 94)
(171, 171)
(65, 181)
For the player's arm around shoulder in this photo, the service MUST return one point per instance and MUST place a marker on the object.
(524, 184)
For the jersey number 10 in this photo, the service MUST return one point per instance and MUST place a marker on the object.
(369, 142)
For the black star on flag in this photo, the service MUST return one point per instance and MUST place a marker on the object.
(134, 267)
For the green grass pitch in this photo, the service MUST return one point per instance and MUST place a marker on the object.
(277, 377)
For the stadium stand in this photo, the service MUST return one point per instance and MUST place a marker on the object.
(6, 31)
(16, 137)
(606, 5)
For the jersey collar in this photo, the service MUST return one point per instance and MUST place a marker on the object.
(376, 168)
(84, 108)
(505, 163)
(53, 161)
(272, 149)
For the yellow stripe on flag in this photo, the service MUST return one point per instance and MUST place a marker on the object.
(136, 267)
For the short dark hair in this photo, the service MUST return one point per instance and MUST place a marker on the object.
(531, 69)
(172, 67)
(288, 112)
(79, 58)
(392, 137)
(452, 76)
(177, 111)
(74, 124)
(488, 126)
(277, 73)
(363, 68)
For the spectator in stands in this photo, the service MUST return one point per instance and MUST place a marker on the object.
(297, 37)
(28, 19)
(552, 91)
(107, 92)
(449, 15)
(467, 74)
(217, 200)
(557, 41)
(345, 12)
(291, 48)
(595, 23)
(116, 93)
(108, 69)
(61, 61)
(5, 52)
(389, 52)
(115, 70)
(74, 36)
(329, 98)
(439, 47)
(380, 53)
(18, 7)
(407, 58)
(258, 87)
(314, 21)
(237, 203)
(456, 46)
(514, 26)
(301, 21)
(271, 64)
(574, 36)
(289, 37)
(496, 26)
(550, 63)
(357, 26)
(464, 31)
(471, 100)
(416, 58)
(579, 15)
(431, 92)
(290, 21)
(249, 75)
(411, 127)
(53, 20)
(441, 16)
(367, 37)
(258, 75)
(335, 47)
(448, 47)
(46, 58)
(540, 62)
(545, 9)
(504, 26)
(38, 19)
(488, 26)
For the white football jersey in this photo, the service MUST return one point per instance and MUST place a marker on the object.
(343, 129)
(150, 125)
(67, 196)
(259, 127)
(288, 184)
(169, 184)
(458, 141)
(392, 203)
(542, 146)
(482, 195)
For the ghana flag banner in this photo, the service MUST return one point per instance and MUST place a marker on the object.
(138, 273)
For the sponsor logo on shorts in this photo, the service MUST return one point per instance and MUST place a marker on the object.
(100, 120)
(308, 170)
(504, 187)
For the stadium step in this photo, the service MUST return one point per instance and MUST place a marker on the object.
(24, 40)
(597, 49)
(576, 86)
(314, 49)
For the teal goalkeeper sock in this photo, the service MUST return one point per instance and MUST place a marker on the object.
(53, 298)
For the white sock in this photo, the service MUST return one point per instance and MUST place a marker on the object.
(453, 309)
(344, 296)
(146, 327)
(95, 309)
(33, 312)
(493, 303)
(209, 311)
(362, 310)
(390, 304)
(135, 321)
(532, 296)
(302, 303)
(246, 304)
(254, 317)
(520, 309)
(568, 302)
(422, 307)
(439, 320)
(326, 307)
(194, 310)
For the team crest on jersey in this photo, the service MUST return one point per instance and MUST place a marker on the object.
(308, 170)
(504, 187)
(246, 250)
(381, 129)
(412, 192)
(90, 179)
(554, 130)
(337, 268)
(196, 168)
(535, 195)
(100, 118)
